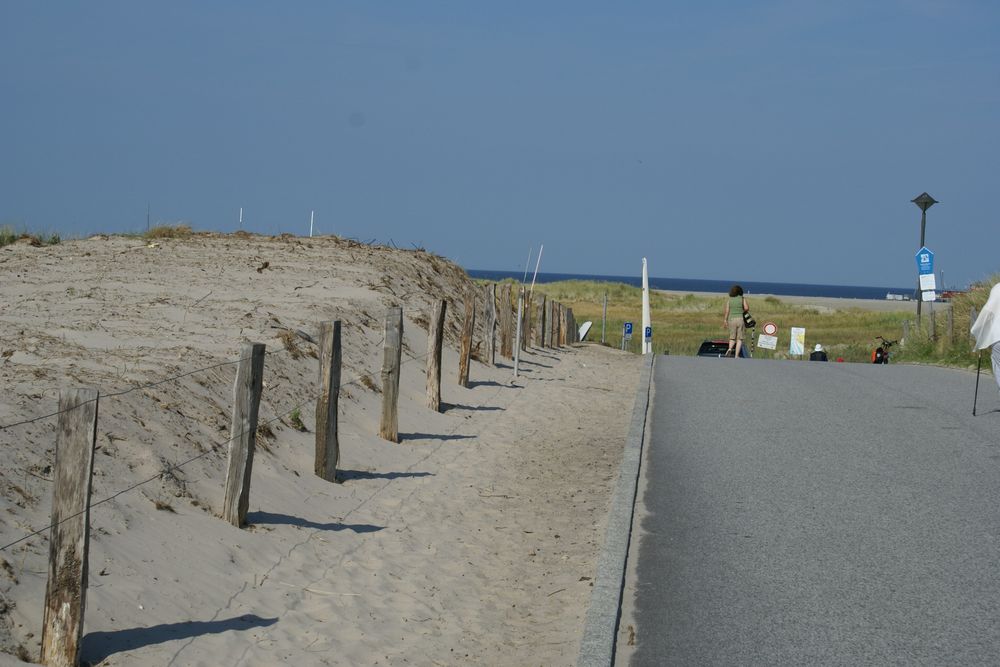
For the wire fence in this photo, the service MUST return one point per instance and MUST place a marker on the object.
(215, 447)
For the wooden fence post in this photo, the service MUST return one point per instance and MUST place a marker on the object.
(562, 325)
(520, 337)
(604, 319)
(554, 328)
(541, 322)
(570, 327)
(490, 312)
(506, 324)
(435, 336)
(465, 353)
(243, 432)
(327, 439)
(69, 538)
(525, 307)
(392, 355)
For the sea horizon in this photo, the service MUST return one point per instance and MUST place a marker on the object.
(719, 286)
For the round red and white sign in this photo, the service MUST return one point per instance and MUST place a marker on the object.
(770, 328)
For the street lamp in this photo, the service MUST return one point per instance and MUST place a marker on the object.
(924, 201)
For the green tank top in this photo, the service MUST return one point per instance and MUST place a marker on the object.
(736, 306)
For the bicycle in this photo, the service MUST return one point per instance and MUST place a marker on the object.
(880, 355)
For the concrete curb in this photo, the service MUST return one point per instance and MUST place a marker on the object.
(597, 649)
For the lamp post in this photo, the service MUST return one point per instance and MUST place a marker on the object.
(924, 201)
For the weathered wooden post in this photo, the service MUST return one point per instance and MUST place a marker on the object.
(525, 328)
(562, 325)
(435, 338)
(554, 329)
(540, 324)
(465, 354)
(604, 319)
(243, 432)
(69, 538)
(490, 312)
(520, 315)
(327, 439)
(571, 331)
(392, 354)
(506, 323)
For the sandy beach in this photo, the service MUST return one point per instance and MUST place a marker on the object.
(473, 541)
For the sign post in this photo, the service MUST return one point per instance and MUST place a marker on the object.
(628, 335)
(768, 339)
(925, 274)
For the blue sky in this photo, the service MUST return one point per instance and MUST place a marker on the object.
(772, 141)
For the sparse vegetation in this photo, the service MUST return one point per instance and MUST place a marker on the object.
(8, 236)
(296, 420)
(180, 231)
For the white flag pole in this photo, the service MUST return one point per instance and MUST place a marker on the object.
(525, 278)
(647, 347)
(312, 215)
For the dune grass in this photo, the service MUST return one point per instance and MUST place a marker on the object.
(682, 321)
(9, 235)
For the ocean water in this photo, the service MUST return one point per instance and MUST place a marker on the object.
(718, 286)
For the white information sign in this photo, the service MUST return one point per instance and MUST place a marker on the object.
(767, 342)
(927, 282)
(798, 342)
(929, 295)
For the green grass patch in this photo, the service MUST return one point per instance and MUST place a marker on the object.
(682, 321)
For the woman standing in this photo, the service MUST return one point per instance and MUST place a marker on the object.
(736, 305)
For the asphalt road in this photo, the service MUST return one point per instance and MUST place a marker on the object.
(818, 514)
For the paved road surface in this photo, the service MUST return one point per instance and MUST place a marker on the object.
(818, 514)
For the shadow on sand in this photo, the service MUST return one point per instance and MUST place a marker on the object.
(348, 475)
(258, 518)
(403, 437)
(98, 646)
(472, 408)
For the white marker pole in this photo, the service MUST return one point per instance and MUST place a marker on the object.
(312, 215)
(646, 347)
(537, 262)
(241, 217)
(525, 277)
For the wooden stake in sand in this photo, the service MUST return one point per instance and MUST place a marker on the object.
(435, 337)
(520, 321)
(391, 358)
(541, 322)
(69, 540)
(506, 323)
(465, 354)
(490, 308)
(243, 433)
(327, 440)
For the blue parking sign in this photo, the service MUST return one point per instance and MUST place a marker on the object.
(628, 328)
(649, 334)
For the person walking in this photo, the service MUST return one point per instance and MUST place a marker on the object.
(736, 305)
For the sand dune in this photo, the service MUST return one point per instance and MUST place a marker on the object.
(473, 541)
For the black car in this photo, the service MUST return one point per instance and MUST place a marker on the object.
(718, 347)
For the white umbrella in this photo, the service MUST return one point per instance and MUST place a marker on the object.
(986, 330)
